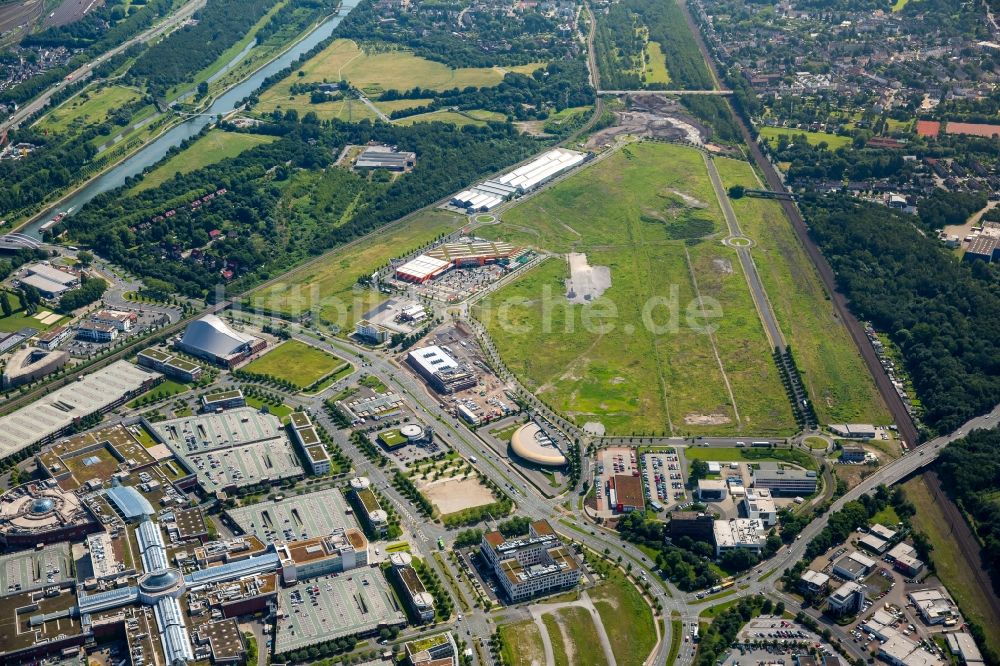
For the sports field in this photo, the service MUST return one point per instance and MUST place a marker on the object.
(374, 73)
(214, 147)
(295, 362)
(87, 108)
(656, 64)
(833, 141)
(653, 368)
(841, 388)
(327, 286)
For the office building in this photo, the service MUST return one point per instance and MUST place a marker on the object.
(712, 490)
(846, 599)
(529, 566)
(341, 550)
(854, 453)
(698, 526)
(784, 480)
(758, 504)
(934, 605)
(736, 533)
(309, 444)
(814, 582)
(416, 597)
(91, 331)
(171, 365)
(853, 566)
(440, 370)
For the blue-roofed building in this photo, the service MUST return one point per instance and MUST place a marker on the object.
(129, 502)
(100, 601)
(252, 565)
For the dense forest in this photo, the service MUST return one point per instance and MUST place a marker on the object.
(218, 26)
(559, 85)
(618, 48)
(93, 43)
(970, 472)
(270, 207)
(489, 36)
(940, 313)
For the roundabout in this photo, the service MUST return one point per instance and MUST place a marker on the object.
(738, 242)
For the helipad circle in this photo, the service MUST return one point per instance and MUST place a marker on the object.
(411, 431)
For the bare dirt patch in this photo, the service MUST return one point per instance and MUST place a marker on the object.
(723, 266)
(706, 419)
(455, 494)
(653, 116)
(586, 283)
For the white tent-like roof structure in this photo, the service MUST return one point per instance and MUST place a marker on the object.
(212, 336)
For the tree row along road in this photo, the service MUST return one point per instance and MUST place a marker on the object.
(182, 14)
(907, 429)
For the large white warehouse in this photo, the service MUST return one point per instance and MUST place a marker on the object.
(493, 192)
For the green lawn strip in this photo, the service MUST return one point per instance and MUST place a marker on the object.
(627, 618)
(950, 565)
(676, 631)
(522, 644)
(816, 443)
(833, 141)
(374, 383)
(165, 389)
(327, 285)
(712, 611)
(841, 388)
(726, 454)
(295, 362)
(280, 411)
(656, 64)
(887, 517)
(214, 147)
(556, 638)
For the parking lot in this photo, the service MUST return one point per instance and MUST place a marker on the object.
(773, 640)
(29, 570)
(612, 461)
(146, 321)
(329, 607)
(302, 516)
(664, 479)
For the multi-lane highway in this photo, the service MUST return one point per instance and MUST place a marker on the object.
(84, 71)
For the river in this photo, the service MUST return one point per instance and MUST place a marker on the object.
(153, 152)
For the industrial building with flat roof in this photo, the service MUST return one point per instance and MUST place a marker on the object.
(214, 340)
(758, 503)
(440, 370)
(51, 282)
(846, 599)
(934, 605)
(230, 450)
(853, 566)
(712, 490)
(52, 415)
(528, 566)
(296, 517)
(384, 157)
(783, 480)
(739, 533)
(309, 443)
(626, 493)
(355, 605)
(493, 192)
(169, 364)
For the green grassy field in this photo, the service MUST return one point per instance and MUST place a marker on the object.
(725, 454)
(522, 644)
(656, 64)
(460, 118)
(87, 108)
(950, 564)
(296, 362)
(375, 72)
(164, 389)
(18, 319)
(887, 517)
(627, 619)
(638, 212)
(214, 147)
(327, 286)
(574, 628)
(898, 7)
(833, 141)
(841, 388)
